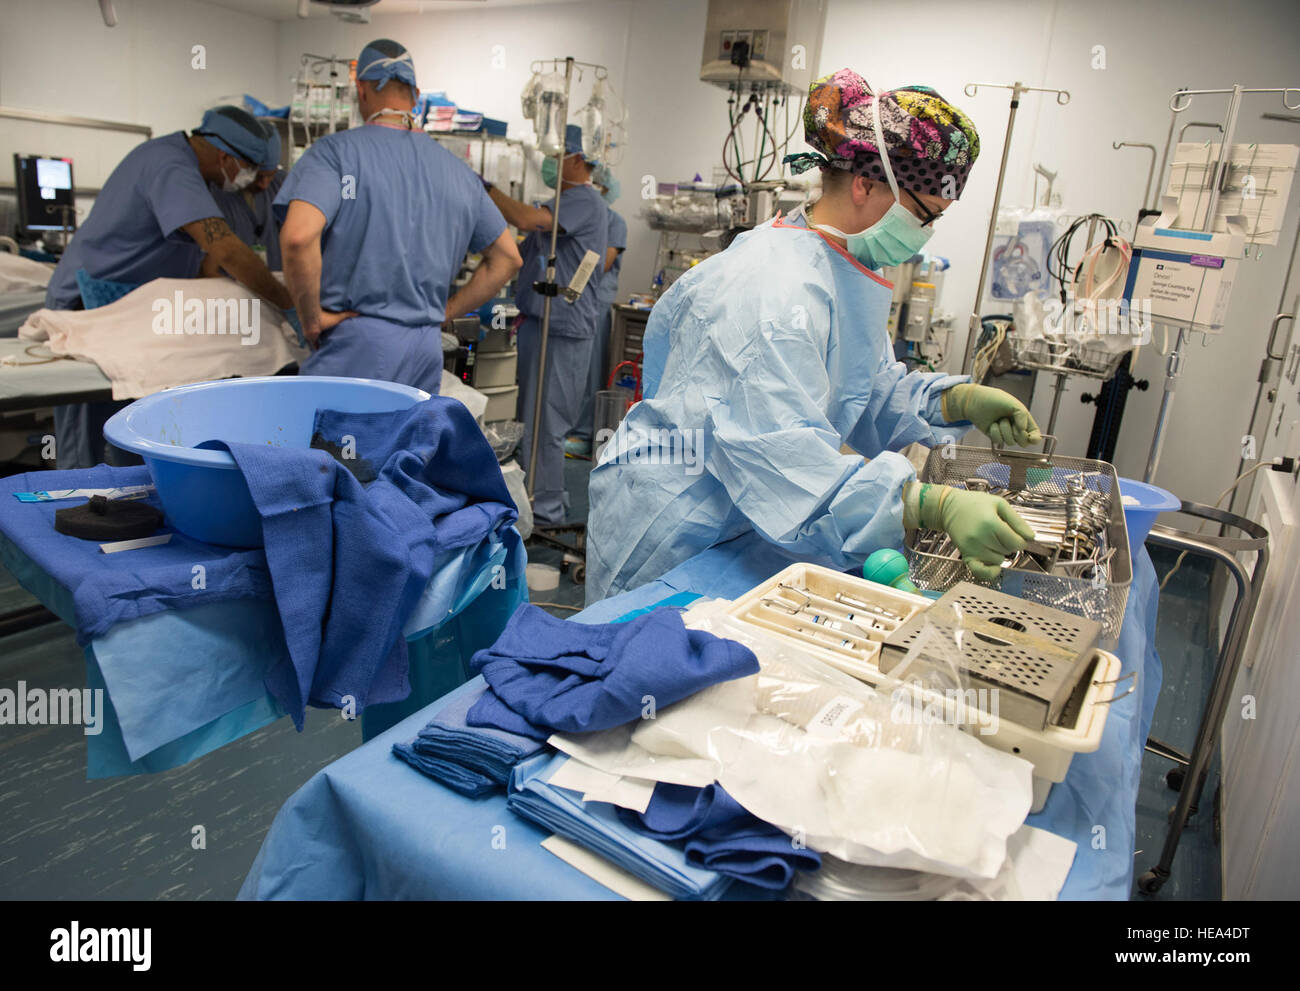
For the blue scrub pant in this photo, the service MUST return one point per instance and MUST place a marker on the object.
(370, 348)
(79, 436)
(595, 376)
(567, 362)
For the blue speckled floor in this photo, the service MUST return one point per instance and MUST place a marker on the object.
(130, 838)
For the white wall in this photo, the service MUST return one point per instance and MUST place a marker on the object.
(140, 72)
(1152, 48)
(57, 55)
(651, 47)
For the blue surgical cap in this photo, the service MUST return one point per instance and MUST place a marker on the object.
(272, 159)
(236, 132)
(383, 60)
(573, 143)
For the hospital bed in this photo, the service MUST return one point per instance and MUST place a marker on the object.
(27, 382)
(361, 826)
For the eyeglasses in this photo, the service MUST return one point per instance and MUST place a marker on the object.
(928, 216)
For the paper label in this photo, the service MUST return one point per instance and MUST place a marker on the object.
(831, 718)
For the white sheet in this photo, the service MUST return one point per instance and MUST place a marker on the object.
(19, 274)
(125, 341)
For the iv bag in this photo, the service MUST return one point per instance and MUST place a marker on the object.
(542, 102)
(590, 119)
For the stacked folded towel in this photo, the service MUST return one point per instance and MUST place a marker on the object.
(597, 826)
(469, 759)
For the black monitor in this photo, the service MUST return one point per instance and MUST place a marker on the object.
(46, 198)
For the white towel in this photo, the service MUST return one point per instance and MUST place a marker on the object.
(172, 332)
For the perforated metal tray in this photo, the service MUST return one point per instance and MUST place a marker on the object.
(1034, 656)
(1045, 472)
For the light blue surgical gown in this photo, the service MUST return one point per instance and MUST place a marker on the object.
(607, 297)
(584, 219)
(254, 223)
(401, 213)
(760, 363)
(133, 235)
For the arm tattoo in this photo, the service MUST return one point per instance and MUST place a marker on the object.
(214, 229)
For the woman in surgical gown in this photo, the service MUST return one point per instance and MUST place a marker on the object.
(764, 361)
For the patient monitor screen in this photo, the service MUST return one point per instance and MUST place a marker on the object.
(44, 192)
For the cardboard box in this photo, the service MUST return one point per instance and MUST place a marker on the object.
(1186, 275)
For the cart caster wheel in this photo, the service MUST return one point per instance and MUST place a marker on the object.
(1150, 882)
(1174, 779)
(579, 574)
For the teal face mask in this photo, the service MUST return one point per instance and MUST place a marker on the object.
(896, 236)
(550, 172)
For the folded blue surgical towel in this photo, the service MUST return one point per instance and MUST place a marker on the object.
(581, 677)
(472, 760)
(348, 562)
(455, 776)
(596, 826)
(721, 835)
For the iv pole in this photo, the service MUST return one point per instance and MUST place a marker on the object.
(1222, 168)
(970, 89)
(548, 288)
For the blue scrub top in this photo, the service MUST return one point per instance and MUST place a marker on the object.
(255, 224)
(401, 212)
(584, 222)
(617, 239)
(133, 234)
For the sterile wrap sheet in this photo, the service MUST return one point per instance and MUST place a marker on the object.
(821, 756)
(121, 338)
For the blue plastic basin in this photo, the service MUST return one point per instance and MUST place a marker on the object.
(202, 491)
(1139, 517)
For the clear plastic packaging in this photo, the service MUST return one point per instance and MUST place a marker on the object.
(866, 775)
(504, 436)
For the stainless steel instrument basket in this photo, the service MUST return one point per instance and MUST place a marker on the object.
(1040, 475)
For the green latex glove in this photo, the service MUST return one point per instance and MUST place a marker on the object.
(984, 527)
(999, 415)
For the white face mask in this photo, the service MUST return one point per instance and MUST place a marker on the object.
(896, 236)
(406, 115)
(242, 179)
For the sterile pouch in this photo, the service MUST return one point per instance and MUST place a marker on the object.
(873, 776)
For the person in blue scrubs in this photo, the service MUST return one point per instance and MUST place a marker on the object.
(764, 362)
(584, 227)
(375, 223)
(249, 211)
(155, 218)
(607, 185)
